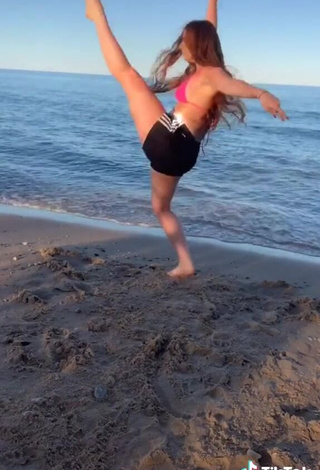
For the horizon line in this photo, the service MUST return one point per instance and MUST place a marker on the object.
(109, 75)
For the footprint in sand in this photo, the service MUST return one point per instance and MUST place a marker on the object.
(156, 460)
(63, 348)
(98, 325)
(26, 297)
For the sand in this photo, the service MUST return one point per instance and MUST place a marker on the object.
(108, 364)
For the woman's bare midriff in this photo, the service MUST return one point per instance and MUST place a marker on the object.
(193, 119)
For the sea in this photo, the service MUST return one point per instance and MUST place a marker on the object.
(68, 144)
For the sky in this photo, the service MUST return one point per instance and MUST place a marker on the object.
(264, 41)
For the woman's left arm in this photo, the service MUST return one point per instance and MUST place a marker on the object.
(212, 12)
(222, 82)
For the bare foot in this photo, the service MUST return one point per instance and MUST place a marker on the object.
(94, 8)
(182, 272)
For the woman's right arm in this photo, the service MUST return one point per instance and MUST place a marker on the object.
(223, 83)
(212, 12)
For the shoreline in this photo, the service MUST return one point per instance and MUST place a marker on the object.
(77, 219)
(42, 229)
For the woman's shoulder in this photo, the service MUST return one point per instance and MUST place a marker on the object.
(212, 75)
(209, 71)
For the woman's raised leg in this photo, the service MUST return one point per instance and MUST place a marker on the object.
(163, 189)
(145, 108)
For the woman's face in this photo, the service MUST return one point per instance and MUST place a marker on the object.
(186, 54)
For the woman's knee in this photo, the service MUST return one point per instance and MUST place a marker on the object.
(160, 207)
(125, 74)
(129, 77)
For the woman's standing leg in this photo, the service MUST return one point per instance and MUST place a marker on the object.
(163, 189)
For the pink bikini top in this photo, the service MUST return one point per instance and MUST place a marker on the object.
(181, 93)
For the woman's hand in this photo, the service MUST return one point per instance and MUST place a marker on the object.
(271, 104)
(94, 9)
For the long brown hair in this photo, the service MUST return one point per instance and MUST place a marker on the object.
(203, 42)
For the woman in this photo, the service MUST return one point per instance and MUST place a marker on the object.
(205, 93)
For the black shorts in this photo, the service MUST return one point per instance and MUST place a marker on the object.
(170, 147)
